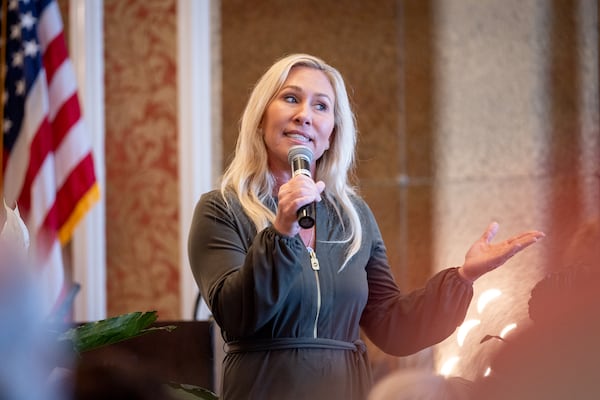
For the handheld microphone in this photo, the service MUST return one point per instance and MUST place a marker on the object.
(299, 158)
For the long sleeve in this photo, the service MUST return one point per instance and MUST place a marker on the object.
(404, 323)
(230, 261)
(261, 285)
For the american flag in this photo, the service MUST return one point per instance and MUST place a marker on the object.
(47, 163)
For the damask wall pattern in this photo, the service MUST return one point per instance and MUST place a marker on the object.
(141, 157)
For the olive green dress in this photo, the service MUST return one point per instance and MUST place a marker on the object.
(292, 330)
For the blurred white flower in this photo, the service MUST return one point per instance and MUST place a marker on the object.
(14, 230)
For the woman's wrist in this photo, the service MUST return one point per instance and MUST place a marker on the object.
(282, 232)
(463, 274)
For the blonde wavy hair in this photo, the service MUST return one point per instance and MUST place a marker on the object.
(248, 174)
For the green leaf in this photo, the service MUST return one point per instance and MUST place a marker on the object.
(96, 334)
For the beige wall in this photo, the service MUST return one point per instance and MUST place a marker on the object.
(468, 111)
(517, 141)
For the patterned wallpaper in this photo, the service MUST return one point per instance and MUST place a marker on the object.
(141, 157)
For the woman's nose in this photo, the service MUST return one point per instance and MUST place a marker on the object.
(304, 115)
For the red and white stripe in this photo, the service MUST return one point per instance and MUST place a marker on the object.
(50, 171)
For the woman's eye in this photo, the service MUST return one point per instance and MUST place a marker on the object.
(290, 99)
(322, 107)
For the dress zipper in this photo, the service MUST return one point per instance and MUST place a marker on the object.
(314, 262)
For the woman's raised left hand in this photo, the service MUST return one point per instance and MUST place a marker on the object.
(483, 256)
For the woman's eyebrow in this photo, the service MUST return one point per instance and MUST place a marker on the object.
(299, 89)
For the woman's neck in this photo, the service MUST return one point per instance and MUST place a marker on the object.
(308, 237)
(280, 178)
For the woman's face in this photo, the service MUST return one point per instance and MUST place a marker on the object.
(301, 113)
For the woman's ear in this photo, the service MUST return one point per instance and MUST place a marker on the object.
(259, 129)
(331, 137)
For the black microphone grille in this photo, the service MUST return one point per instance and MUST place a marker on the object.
(300, 151)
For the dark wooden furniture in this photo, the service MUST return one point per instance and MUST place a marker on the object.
(184, 355)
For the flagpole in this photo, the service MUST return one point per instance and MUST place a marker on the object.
(3, 34)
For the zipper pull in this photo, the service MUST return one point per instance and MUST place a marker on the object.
(314, 262)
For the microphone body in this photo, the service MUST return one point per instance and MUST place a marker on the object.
(300, 158)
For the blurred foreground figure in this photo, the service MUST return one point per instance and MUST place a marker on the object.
(420, 384)
(26, 346)
(557, 357)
